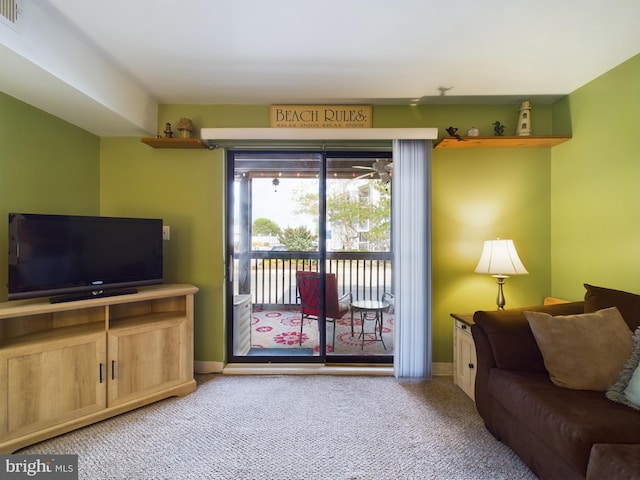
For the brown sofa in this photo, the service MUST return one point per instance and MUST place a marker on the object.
(559, 433)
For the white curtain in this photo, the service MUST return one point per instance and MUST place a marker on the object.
(411, 217)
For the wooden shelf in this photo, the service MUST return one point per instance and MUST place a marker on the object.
(496, 141)
(53, 335)
(152, 319)
(174, 142)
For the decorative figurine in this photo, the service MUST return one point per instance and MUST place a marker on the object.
(452, 131)
(186, 127)
(498, 129)
(168, 133)
(524, 119)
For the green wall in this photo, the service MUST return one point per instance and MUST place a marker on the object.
(595, 194)
(478, 194)
(481, 194)
(46, 166)
(186, 189)
(572, 210)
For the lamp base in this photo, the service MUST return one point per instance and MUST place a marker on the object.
(500, 299)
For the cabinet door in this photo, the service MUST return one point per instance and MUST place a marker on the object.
(147, 358)
(465, 361)
(48, 383)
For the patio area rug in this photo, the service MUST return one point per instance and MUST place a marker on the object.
(280, 329)
(280, 352)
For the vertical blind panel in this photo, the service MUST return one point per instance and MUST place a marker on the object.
(411, 212)
(9, 10)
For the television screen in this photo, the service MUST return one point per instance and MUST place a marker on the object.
(65, 254)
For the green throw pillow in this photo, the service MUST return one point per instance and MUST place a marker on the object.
(626, 390)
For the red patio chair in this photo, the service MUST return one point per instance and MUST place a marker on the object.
(309, 294)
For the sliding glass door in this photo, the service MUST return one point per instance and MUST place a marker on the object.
(309, 257)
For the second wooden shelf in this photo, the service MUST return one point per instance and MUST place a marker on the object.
(496, 141)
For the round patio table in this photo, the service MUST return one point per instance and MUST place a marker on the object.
(370, 310)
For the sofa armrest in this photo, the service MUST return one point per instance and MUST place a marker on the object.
(504, 340)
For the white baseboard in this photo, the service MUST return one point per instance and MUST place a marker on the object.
(203, 367)
(304, 369)
(442, 369)
(200, 366)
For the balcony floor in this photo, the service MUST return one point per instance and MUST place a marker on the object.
(279, 328)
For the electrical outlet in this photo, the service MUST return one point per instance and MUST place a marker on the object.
(166, 232)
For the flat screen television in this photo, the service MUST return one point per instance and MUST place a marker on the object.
(69, 257)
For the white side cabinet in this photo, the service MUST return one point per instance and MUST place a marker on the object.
(464, 354)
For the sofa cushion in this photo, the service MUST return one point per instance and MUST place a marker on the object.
(597, 298)
(626, 390)
(512, 343)
(585, 351)
(621, 462)
(568, 421)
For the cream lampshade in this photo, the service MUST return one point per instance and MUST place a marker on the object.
(500, 259)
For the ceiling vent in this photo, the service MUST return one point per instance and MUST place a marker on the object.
(10, 11)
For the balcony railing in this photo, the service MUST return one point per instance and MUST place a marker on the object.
(270, 276)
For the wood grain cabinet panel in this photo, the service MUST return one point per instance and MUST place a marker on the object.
(51, 383)
(146, 359)
(67, 365)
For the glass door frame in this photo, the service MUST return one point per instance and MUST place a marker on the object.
(323, 357)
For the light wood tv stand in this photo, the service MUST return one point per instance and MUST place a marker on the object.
(67, 365)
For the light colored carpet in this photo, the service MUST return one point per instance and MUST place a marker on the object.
(296, 427)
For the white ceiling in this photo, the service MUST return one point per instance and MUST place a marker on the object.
(125, 57)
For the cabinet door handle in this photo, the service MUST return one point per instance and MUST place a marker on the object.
(464, 327)
(471, 365)
(113, 369)
(100, 371)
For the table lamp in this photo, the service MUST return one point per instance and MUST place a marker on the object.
(500, 259)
